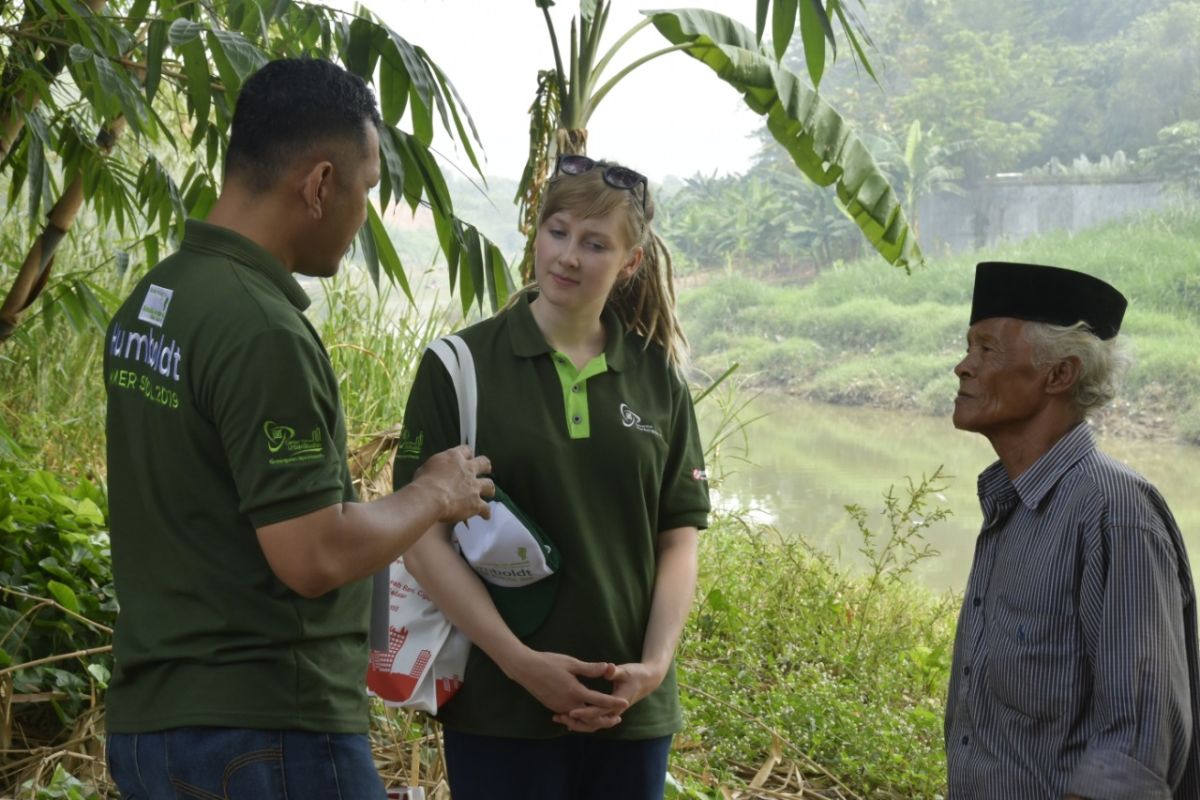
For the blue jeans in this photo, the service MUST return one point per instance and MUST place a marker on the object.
(242, 764)
(573, 767)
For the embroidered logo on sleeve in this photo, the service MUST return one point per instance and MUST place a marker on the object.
(699, 474)
(285, 448)
(631, 420)
(409, 447)
(154, 307)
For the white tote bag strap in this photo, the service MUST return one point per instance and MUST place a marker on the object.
(457, 359)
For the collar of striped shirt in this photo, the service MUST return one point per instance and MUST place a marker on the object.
(998, 495)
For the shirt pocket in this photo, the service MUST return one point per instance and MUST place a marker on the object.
(1033, 659)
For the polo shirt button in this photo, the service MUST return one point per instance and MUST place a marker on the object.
(966, 739)
(966, 670)
(577, 419)
(575, 388)
(977, 602)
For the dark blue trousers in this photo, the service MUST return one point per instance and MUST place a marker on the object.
(243, 764)
(573, 767)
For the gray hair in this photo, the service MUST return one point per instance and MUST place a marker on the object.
(1103, 361)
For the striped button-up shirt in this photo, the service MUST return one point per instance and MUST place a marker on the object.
(1075, 663)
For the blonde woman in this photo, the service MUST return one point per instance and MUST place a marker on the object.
(590, 429)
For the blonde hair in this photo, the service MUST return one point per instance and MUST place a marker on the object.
(1103, 362)
(645, 302)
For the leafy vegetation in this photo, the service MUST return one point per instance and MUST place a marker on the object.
(124, 107)
(856, 335)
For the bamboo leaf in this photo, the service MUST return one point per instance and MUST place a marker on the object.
(812, 34)
(199, 85)
(36, 161)
(760, 19)
(137, 13)
(783, 23)
(244, 57)
(470, 273)
(394, 86)
(386, 251)
(818, 140)
(78, 53)
(366, 240)
(156, 43)
(117, 84)
(183, 31)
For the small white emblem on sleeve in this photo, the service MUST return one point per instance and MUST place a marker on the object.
(154, 307)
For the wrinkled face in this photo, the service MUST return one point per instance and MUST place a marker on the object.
(577, 260)
(344, 208)
(1000, 389)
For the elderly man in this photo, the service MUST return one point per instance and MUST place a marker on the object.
(1075, 662)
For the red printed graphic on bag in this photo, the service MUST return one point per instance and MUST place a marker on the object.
(425, 658)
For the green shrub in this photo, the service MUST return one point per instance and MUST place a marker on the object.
(786, 647)
(56, 586)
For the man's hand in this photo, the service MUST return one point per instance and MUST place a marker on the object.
(453, 477)
(553, 678)
(631, 682)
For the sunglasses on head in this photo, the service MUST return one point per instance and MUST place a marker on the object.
(614, 176)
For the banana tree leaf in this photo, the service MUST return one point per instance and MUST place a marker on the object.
(819, 141)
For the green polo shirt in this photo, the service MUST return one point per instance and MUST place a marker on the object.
(603, 458)
(223, 416)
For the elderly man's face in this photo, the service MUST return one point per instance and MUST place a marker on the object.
(999, 388)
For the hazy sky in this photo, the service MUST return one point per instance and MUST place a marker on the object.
(672, 116)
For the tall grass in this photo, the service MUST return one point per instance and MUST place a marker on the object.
(867, 334)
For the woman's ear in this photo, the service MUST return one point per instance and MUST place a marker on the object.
(631, 266)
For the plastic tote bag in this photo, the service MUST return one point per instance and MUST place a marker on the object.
(417, 657)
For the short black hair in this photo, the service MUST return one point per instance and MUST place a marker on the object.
(289, 105)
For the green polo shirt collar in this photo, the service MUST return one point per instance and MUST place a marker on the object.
(528, 341)
(202, 237)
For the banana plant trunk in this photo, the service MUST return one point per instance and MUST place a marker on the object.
(35, 270)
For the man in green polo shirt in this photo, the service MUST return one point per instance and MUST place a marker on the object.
(239, 551)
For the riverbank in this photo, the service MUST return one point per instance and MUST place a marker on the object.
(866, 334)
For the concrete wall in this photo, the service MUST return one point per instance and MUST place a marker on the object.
(1012, 209)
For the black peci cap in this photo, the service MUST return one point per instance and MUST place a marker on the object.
(1046, 294)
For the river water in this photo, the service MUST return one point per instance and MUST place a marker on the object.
(800, 464)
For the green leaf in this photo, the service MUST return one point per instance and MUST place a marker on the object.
(359, 53)
(156, 43)
(394, 86)
(64, 594)
(470, 282)
(199, 84)
(36, 160)
(183, 31)
(386, 251)
(783, 22)
(100, 673)
(366, 240)
(814, 30)
(393, 169)
(78, 53)
(760, 19)
(137, 13)
(117, 84)
(244, 57)
(818, 140)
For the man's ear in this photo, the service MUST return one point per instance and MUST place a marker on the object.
(1064, 375)
(314, 188)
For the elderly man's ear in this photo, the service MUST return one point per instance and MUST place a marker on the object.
(1063, 375)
